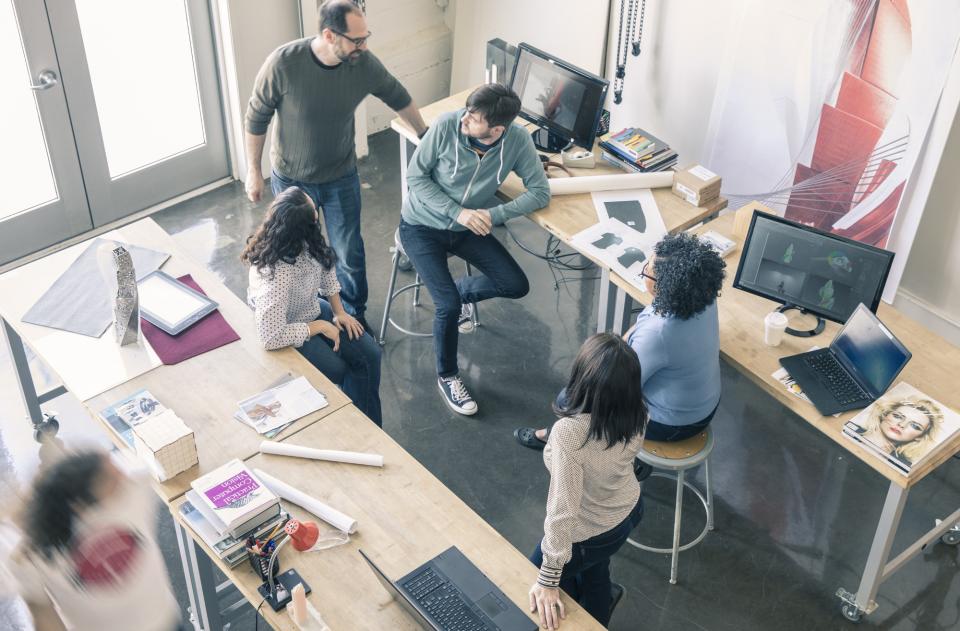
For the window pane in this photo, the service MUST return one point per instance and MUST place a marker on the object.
(24, 163)
(141, 64)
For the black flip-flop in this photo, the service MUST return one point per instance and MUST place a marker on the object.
(527, 436)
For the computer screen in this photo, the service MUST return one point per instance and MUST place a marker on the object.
(867, 346)
(820, 272)
(558, 96)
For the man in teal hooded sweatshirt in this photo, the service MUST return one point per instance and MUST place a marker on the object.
(453, 175)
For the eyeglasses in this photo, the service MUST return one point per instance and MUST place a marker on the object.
(643, 272)
(356, 41)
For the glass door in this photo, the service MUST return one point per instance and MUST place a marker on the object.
(144, 99)
(115, 108)
(43, 199)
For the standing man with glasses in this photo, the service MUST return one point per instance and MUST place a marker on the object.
(313, 86)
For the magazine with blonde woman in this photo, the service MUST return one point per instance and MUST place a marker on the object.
(904, 426)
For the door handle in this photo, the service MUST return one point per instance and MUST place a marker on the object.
(47, 79)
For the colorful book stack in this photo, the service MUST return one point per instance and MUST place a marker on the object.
(229, 504)
(634, 149)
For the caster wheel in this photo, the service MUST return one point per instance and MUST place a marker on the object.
(46, 429)
(951, 538)
(851, 613)
(404, 264)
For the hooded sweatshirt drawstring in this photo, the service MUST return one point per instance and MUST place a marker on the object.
(456, 159)
(503, 141)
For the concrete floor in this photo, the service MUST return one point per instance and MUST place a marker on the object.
(794, 514)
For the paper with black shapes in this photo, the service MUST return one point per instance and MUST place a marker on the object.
(635, 208)
(618, 247)
(78, 301)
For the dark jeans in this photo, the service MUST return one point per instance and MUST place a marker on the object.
(355, 367)
(586, 576)
(501, 276)
(659, 432)
(339, 201)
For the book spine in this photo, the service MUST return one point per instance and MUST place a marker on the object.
(620, 164)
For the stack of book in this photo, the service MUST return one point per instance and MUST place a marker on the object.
(226, 506)
(634, 149)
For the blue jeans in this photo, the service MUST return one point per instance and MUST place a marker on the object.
(355, 367)
(339, 201)
(501, 276)
(660, 432)
(586, 576)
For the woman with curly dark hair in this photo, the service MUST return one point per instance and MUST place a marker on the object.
(677, 338)
(296, 299)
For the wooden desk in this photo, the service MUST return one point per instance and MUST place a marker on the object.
(567, 215)
(405, 517)
(203, 390)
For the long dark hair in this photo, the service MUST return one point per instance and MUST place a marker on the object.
(290, 226)
(605, 383)
(58, 494)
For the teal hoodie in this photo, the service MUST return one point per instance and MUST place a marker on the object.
(445, 175)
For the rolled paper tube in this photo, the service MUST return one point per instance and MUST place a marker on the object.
(327, 513)
(351, 457)
(594, 183)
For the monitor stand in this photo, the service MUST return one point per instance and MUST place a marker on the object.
(549, 142)
(816, 330)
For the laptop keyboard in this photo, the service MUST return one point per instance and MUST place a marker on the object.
(443, 602)
(835, 378)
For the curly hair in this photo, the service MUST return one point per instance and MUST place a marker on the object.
(58, 494)
(689, 276)
(916, 448)
(290, 226)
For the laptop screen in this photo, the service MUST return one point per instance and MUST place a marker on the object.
(867, 348)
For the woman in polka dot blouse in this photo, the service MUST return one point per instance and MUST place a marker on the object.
(296, 299)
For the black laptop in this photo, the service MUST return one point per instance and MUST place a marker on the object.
(861, 363)
(449, 593)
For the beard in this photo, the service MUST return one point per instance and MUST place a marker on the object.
(350, 58)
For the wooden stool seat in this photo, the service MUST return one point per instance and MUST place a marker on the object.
(676, 450)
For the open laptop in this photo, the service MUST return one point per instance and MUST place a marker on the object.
(449, 593)
(861, 363)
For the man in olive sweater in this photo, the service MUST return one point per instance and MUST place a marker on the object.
(313, 86)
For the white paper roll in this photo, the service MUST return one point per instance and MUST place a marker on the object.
(327, 513)
(620, 182)
(296, 451)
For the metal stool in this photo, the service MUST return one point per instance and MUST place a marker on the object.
(392, 293)
(678, 457)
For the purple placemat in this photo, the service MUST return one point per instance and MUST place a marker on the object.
(209, 333)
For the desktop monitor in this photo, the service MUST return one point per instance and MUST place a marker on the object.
(811, 270)
(563, 100)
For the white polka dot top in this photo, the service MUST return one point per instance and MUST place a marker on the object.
(285, 303)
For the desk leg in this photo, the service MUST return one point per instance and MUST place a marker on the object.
(405, 155)
(28, 391)
(201, 586)
(608, 301)
(875, 571)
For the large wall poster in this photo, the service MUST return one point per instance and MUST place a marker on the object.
(825, 115)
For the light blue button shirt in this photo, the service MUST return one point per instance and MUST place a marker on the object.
(679, 364)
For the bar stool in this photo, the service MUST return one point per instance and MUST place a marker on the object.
(393, 293)
(678, 457)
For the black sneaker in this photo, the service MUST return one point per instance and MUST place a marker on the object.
(616, 593)
(465, 322)
(455, 394)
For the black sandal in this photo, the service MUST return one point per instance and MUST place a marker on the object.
(527, 436)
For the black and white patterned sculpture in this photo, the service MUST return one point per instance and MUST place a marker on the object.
(126, 304)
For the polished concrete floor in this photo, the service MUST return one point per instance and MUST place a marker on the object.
(794, 514)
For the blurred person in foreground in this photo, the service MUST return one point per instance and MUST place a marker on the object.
(89, 545)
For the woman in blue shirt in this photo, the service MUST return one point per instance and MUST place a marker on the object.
(677, 338)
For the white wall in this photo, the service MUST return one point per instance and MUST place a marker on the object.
(572, 30)
(670, 90)
(249, 32)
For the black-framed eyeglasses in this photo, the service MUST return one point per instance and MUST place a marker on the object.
(643, 272)
(356, 41)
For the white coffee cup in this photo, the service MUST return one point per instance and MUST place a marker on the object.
(773, 327)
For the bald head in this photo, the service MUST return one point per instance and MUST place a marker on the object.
(333, 15)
